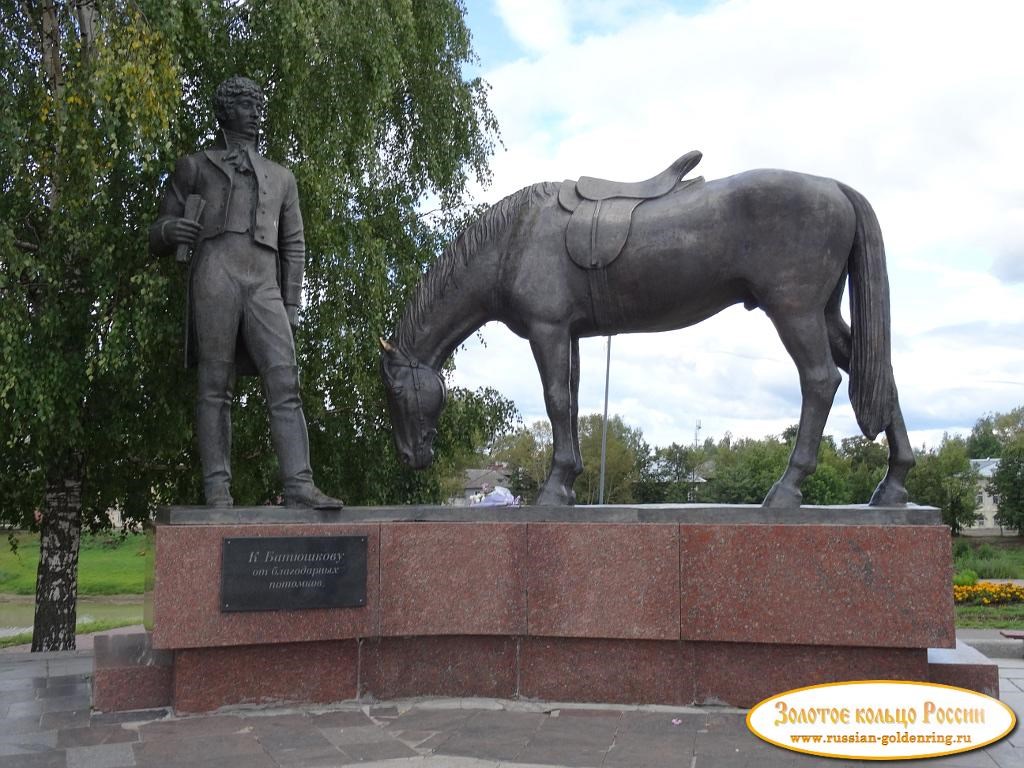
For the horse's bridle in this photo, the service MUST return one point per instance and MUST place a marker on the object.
(413, 364)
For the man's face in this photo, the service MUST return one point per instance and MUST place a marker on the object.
(244, 117)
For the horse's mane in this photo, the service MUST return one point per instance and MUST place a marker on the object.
(441, 275)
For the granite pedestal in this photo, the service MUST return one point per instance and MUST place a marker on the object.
(664, 604)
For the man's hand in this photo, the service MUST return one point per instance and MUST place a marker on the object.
(293, 315)
(180, 231)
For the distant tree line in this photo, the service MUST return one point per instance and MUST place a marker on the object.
(741, 471)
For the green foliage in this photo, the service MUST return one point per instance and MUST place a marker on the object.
(982, 443)
(527, 451)
(945, 479)
(1007, 486)
(367, 104)
(674, 474)
(528, 454)
(626, 454)
(988, 562)
(965, 578)
(745, 470)
(867, 461)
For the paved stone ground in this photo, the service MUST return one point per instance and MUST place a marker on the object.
(45, 722)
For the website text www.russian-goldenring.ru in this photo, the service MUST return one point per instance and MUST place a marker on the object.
(883, 740)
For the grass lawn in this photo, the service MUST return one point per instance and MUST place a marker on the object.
(82, 628)
(1009, 616)
(107, 565)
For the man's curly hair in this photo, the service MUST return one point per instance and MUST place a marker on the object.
(231, 89)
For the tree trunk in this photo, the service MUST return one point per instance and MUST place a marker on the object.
(57, 577)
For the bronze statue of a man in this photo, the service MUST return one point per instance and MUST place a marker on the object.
(239, 214)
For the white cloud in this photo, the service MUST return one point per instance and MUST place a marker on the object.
(916, 104)
(537, 25)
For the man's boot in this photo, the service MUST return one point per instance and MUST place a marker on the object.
(291, 440)
(213, 430)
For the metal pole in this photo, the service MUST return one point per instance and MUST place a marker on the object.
(604, 426)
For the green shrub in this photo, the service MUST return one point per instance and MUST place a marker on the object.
(984, 552)
(996, 569)
(961, 549)
(965, 578)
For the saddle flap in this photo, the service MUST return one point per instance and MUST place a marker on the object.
(567, 196)
(597, 231)
(592, 188)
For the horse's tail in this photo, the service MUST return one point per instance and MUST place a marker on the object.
(872, 387)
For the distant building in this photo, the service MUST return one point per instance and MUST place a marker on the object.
(475, 480)
(986, 504)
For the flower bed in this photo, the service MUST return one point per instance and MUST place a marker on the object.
(988, 593)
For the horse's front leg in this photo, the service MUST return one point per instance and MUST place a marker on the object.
(557, 356)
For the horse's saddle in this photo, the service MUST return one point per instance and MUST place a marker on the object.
(602, 210)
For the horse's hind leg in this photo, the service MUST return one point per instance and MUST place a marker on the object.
(557, 356)
(805, 337)
(892, 491)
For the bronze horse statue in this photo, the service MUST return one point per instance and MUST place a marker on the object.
(556, 262)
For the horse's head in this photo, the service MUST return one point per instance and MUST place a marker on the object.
(416, 397)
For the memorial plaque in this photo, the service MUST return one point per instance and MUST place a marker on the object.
(293, 573)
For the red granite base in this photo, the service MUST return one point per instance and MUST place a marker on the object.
(128, 674)
(395, 668)
(661, 606)
(315, 673)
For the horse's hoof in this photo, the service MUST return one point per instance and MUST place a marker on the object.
(889, 496)
(781, 497)
(555, 499)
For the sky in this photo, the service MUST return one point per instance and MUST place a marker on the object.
(918, 105)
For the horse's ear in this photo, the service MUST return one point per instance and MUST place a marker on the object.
(386, 345)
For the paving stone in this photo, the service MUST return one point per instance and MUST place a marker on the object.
(553, 749)
(192, 727)
(360, 734)
(102, 756)
(413, 738)
(18, 684)
(77, 665)
(19, 694)
(56, 681)
(288, 739)
(651, 750)
(132, 716)
(973, 759)
(90, 736)
(662, 723)
(197, 750)
(312, 756)
(731, 744)
(35, 671)
(51, 759)
(431, 744)
(20, 709)
(73, 718)
(10, 726)
(66, 703)
(431, 720)
(78, 689)
(342, 718)
(30, 741)
(497, 746)
(379, 750)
